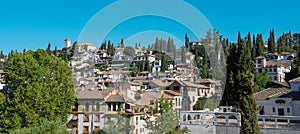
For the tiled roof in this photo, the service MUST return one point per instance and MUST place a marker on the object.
(90, 94)
(190, 84)
(160, 83)
(271, 93)
(296, 80)
(260, 57)
(205, 81)
(295, 95)
(275, 64)
(171, 92)
(106, 92)
(149, 96)
(115, 98)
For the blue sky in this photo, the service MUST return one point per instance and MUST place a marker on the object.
(31, 24)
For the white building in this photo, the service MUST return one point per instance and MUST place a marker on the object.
(276, 70)
(281, 101)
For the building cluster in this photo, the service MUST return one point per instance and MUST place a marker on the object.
(105, 93)
(107, 87)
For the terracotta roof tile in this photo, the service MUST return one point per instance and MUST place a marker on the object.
(171, 92)
(260, 57)
(271, 93)
(90, 94)
(296, 80)
(115, 98)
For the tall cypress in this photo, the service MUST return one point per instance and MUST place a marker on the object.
(240, 87)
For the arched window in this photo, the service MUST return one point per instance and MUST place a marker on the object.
(189, 117)
(184, 117)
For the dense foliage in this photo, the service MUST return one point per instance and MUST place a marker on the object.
(39, 87)
(240, 86)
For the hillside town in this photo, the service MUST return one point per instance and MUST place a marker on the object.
(107, 86)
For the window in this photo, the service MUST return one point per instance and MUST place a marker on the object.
(96, 118)
(85, 130)
(136, 120)
(109, 106)
(261, 110)
(270, 70)
(259, 61)
(288, 109)
(87, 107)
(136, 131)
(98, 106)
(86, 118)
(275, 78)
(260, 70)
(275, 70)
(273, 109)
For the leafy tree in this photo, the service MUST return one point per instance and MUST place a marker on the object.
(129, 51)
(200, 103)
(39, 87)
(44, 127)
(295, 71)
(118, 124)
(167, 118)
(261, 79)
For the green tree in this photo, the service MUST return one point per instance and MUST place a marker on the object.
(49, 48)
(271, 42)
(1, 54)
(112, 50)
(187, 40)
(103, 46)
(167, 118)
(200, 103)
(261, 79)
(183, 57)
(147, 64)
(259, 45)
(205, 69)
(240, 87)
(39, 86)
(122, 43)
(129, 51)
(44, 127)
(118, 124)
(164, 62)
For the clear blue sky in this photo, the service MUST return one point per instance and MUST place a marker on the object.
(31, 24)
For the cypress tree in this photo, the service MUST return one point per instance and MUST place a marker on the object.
(259, 45)
(187, 40)
(249, 44)
(240, 87)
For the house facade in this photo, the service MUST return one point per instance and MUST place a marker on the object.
(275, 70)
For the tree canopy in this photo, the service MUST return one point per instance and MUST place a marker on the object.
(39, 87)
